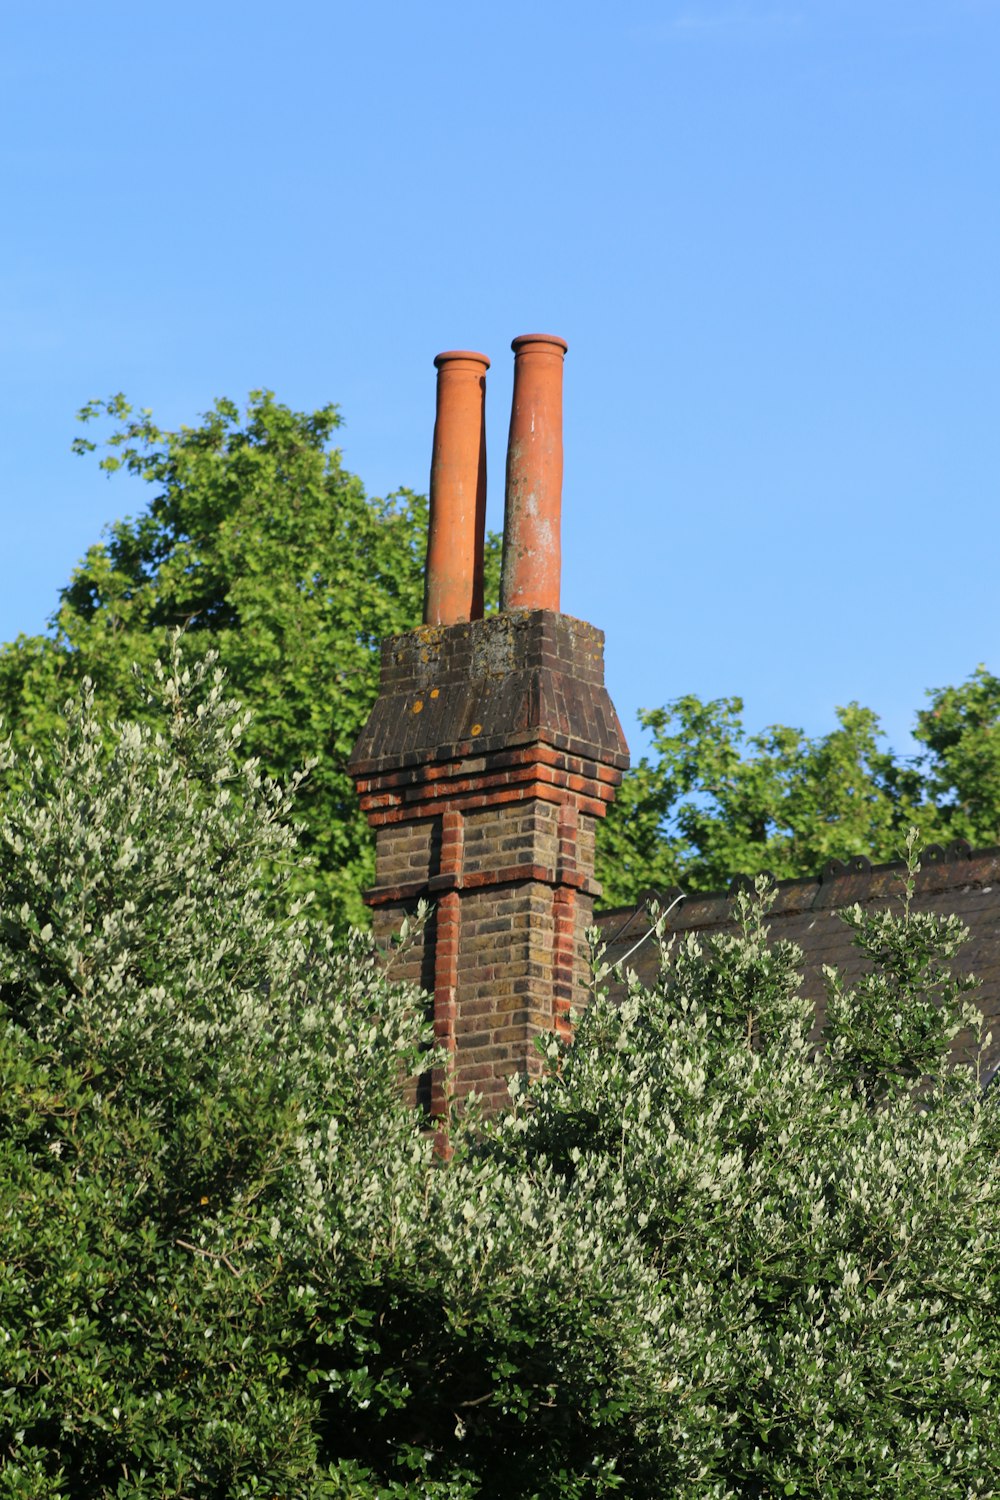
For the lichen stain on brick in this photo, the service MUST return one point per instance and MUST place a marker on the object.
(430, 638)
(493, 649)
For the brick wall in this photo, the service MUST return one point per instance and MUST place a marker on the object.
(955, 880)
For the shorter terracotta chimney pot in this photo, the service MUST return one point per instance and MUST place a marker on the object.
(532, 549)
(457, 522)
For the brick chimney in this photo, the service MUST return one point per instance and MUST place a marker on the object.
(493, 747)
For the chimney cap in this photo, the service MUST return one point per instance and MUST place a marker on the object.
(538, 338)
(449, 354)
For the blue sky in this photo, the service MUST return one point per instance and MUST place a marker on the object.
(769, 231)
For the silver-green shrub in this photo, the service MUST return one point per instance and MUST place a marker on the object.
(170, 1030)
(232, 1265)
(704, 1257)
(824, 1219)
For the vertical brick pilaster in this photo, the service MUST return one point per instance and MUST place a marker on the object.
(565, 965)
(447, 942)
(448, 926)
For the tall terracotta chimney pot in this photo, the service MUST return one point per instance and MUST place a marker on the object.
(532, 550)
(457, 523)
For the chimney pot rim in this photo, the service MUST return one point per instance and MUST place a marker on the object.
(449, 355)
(538, 338)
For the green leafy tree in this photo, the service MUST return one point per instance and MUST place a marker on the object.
(261, 547)
(961, 730)
(700, 1258)
(713, 801)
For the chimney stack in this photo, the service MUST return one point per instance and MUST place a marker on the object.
(457, 522)
(492, 750)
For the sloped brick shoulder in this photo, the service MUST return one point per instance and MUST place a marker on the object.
(524, 677)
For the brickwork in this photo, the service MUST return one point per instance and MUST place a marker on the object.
(489, 755)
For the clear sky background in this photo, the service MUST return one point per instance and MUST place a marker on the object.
(770, 232)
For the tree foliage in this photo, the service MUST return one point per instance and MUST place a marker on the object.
(700, 1258)
(713, 801)
(261, 546)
